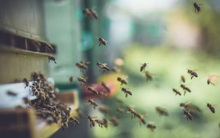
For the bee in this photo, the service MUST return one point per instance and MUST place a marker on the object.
(26, 100)
(82, 66)
(105, 123)
(132, 111)
(212, 79)
(93, 90)
(49, 47)
(211, 107)
(87, 13)
(192, 73)
(148, 75)
(185, 88)
(99, 122)
(151, 127)
(74, 121)
(197, 7)
(12, 94)
(25, 80)
(84, 63)
(126, 91)
(120, 110)
(92, 121)
(123, 81)
(71, 79)
(177, 92)
(102, 41)
(82, 80)
(115, 70)
(143, 66)
(79, 112)
(114, 121)
(103, 66)
(51, 58)
(34, 76)
(104, 109)
(190, 107)
(93, 13)
(93, 103)
(65, 125)
(188, 115)
(162, 111)
(42, 77)
(118, 100)
(141, 118)
(183, 79)
(105, 87)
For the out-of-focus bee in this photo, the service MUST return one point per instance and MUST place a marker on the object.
(71, 79)
(103, 66)
(87, 13)
(120, 110)
(12, 94)
(141, 118)
(151, 127)
(115, 70)
(82, 67)
(42, 77)
(25, 80)
(105, 87)
(79, 112)
(191, 108)
(211, 107)
(162, 111)
(188, 115)
(177, 92)
(93, 13)
(26, 100)
(51, 58)
(92, 121)
(85, 62)
(185, 88)
(104, 109)
(213, 79)
(126, 91)
(65, 125)
(197, 7)
(103, 95)
(118, 100)
(34, 76)
(132, 111)
(102, 41)
(82, 80)
(114, 121)
(99, 122)
(74, 121)
(93, 90)
(105, 123)
(148, 75)
(93, 103)
(143, 66)
(123, 81)
(192, 73)
(183, 79)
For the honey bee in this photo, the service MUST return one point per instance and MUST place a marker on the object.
(188, 115)
(84, 63)
(103, 66)
(197, 7)
(82, 66)
(34, 76)
(114, 121)
(143, 66)
(177, 92)
(74, 121)
(93, 103)
(141, 118)
(185, 88)
(26, 100)
(71, 79)
(104, 109)
(51, 58)
(105, 87)
(132, 111)
(183, 79)
(105, 123)
(192, 73)
(82, 80)
(123, 81)
(126, 91)
(12, 94)
(93, 90)
(115, 70)
(94, 14)
(25, 80)
(120, 110)
(211, 107)
(79, 112)
(92, 121)
(148, 75)
(102, 41)
(162, 111)
(190, 107)
(213, 79)
(99, 122)
(151, 127)
(65, 125)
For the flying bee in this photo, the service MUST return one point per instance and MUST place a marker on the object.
(79, 112)
(51, 58)
(192, 73)
(213, 79)
(12, 94)
(123, 81)
(93, 90)
(26, 100)
(116, 70)
(185, 88)
(25, 80)
(183, 79)
(86, 12)
(120, 110)
(82, 80)
(141, 118)
(93, 13)
(84, 63)
(102, 41)
(176, 92)
(99, 122)
(93, 103)
(188, 115)
(114, 121)
(103, 66)
(105, 123)
(126, 91)
(105, 87)
(197, 7)
(143, 66)
(162, 111)
(104, 109)
(211, 107)
(148, 75)
(92, 121)
(74, 121)
(151, 127)
(71, 79)
(132, 111)
(82, 66)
